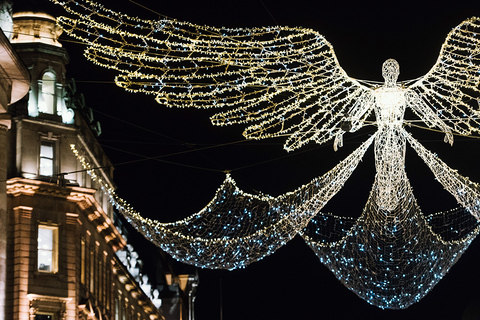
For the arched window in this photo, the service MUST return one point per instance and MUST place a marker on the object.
(47, 99)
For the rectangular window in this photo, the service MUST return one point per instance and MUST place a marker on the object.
(46, 158)
(82, 261)
(108, 288)
(124, 310)
(47, 249)
(92, 271)
(97, 283)
(101, 280)
(117, 308)
(44, 316)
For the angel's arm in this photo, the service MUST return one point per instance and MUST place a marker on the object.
(355, 117)
(430, 118)
(360, 110)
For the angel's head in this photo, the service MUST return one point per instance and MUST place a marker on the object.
(390, 72)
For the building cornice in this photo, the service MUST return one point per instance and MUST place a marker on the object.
(46, 122)
(84, 198)
(42, 48)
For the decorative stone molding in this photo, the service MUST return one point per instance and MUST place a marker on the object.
(83, 197)
(48, 304)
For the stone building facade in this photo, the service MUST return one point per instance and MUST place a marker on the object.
(64, 257)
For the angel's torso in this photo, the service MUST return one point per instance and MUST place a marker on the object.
(389, 106)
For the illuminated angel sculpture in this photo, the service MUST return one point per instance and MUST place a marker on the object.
(287, 82)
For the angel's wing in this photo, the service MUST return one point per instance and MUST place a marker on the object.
(277, 80)
(452, 87)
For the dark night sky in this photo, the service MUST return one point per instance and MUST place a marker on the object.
(292, 283)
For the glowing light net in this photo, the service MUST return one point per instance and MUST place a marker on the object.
(281, 81)
(392, 258)
(237, 228)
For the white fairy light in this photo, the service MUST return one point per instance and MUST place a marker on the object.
(281, 81)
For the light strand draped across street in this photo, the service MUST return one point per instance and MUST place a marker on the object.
(287, 82)
(237, 228)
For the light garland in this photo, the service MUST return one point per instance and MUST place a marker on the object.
(236, 228)
(281, 81)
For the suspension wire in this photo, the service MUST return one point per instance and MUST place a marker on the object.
(145, 158)
(440, 131)
(189, 145)
(146, 8)
(269, 13)
(289, 155)
(138, 126)
(159, 143)
(158, 158)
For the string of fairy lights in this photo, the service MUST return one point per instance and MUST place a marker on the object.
(236, 228)
(287, 82)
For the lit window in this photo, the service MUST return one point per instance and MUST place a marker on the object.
(47, 249)
(44, 317)
(47, 100)
(92, 270)
(46, 158)
(82, 261)
(101, 273)
(117, 308)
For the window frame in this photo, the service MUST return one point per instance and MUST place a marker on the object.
(83, 253)
(45, 105)
(40, 313)
(54, 250)
(52, 144)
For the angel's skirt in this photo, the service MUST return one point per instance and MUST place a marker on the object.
(393, 254)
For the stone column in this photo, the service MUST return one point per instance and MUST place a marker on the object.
(72, 246)
(22, 238)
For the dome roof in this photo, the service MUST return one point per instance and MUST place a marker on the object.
(29, 27)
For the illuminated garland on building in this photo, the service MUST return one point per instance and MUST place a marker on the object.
(281, 81)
